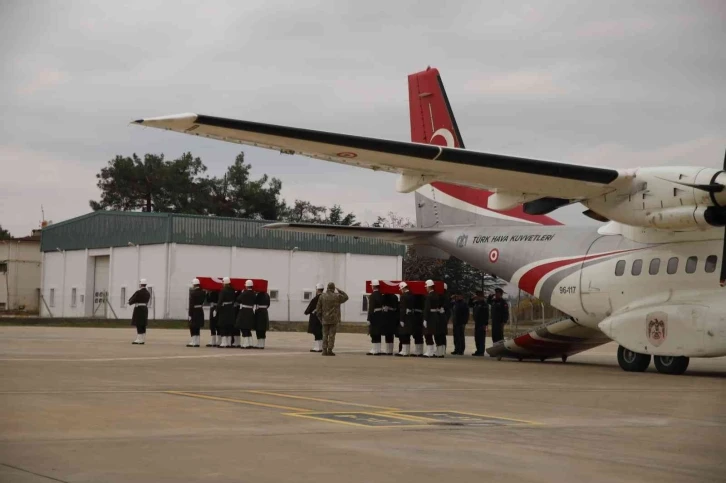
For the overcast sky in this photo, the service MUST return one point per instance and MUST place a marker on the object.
(605, 83)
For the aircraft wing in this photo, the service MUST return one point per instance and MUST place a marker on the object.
(437, 163)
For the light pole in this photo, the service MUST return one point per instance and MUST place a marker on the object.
(289, 276)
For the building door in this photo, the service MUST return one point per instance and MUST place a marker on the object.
(100, 285)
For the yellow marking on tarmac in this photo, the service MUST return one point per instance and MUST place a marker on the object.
(239, 401)
(394, 413)
(316, 399)
(318, 417)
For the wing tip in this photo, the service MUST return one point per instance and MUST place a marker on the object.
(184, 118)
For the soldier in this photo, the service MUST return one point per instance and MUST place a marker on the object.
(418, 329)
(390, 320)
(500, 315)
(376, 318)
(226, 313)
(212, 298)
(406, 319)
(314, 325)
(461, 318)
(140, 317)
(196, 313)
(235, 334)
(246, 316)
(262, 318)
(446, 304)
(432, 315)
(328, 308)
(481, 319)
(442, 327)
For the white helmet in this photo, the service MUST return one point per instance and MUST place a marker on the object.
(226, 281)
(195, 281)
(375, 283)
(142, 281)
(319, 286)
(445, 286)
(429, 283)
(402, 285)
(249, 283)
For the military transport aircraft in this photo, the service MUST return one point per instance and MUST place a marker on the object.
(650, 278)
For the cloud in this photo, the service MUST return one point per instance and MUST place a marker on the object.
(521, 84)
(45, 79)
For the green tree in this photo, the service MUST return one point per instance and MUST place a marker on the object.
(4, 234)
(306, 212)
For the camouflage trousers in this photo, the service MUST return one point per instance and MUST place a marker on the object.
(329, 332)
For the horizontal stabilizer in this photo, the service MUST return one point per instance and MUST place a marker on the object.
(405, 236)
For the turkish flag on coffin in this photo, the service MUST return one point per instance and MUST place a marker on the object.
(215, 284)
(417, 287)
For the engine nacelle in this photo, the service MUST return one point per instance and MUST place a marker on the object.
(691, 330)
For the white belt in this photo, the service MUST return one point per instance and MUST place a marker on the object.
(441, 311)
(377, 310)
(197, 307)
(262, 306)
(408, 311)
(227, 303)
(141, 305)
(212, 304)
(418, 311)
(247, 306)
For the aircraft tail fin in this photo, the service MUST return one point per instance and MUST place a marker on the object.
(440, 204)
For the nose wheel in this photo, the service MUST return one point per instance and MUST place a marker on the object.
(671, 364)
(632, 361)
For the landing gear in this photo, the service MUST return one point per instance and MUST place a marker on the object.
(564, 358)
(632, 361)
(671, 364)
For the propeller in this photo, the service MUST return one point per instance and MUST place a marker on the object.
(722, 279)
(708, 188)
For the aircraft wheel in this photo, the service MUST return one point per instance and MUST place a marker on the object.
(632, 361)
(542, 359)
(671, 364)
(499, 358)
(564, 358)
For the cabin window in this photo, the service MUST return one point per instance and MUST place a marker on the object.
(620, 268)
(672, 266)
(654, 266)
(691, 264)
(637, 267)
(711, 263)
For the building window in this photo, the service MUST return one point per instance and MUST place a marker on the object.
(82, 298)
(3, 267)
(691, 264)
(274, 294)
(364, 304)
(73, 297)
(123, 297)
(711, 262)
(637, 267)
(307, 296)
(620, 268)
(672, 266)
(654, 266)
(51, 302)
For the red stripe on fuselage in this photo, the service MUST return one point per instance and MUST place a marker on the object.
(479, 197)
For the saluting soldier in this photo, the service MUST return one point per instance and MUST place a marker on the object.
(226, 313)
(246, 317)
(140, 317)
(262, 318)
(315, 327)
(196, 313)
(329, 309)
(433, 313)
(212, 298)
(406, 317)
(499, 315)
(376, 318)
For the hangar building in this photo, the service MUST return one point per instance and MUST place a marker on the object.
(20, 273)
(92, 264)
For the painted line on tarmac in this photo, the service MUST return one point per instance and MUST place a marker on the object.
(151, 358)
(333, 401)
(367, 419)
(237, 401)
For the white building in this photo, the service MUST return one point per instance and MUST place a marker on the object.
(20, 273)
(103, 255)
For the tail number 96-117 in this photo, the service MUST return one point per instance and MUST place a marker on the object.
(568, 290)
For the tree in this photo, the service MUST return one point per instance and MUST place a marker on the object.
(4, 234)
(306, 212)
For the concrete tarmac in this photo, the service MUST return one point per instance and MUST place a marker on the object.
(84, 405)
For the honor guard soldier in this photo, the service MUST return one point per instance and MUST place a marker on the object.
(246, 317)
(481, 320)
(235, 339)
(433, 313)
(262, 318)
(446, 304)
(461, 318)
(390, 324)
(418, 329)
(499, 315)
(406, 318)
(328, 308)
(196, 313)
(213, 298)
(226, 313)
(376, 318)
(140, 317)
(314, 325)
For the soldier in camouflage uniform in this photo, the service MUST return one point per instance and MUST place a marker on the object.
(329, 310)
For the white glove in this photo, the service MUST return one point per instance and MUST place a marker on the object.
(425, 326)
(402, 324)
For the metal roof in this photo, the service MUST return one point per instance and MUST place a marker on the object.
(103, 229)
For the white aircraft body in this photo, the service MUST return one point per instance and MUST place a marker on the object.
(650, 278)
